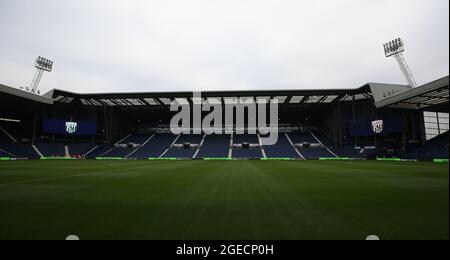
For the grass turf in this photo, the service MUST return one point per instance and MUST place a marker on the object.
(223, 200)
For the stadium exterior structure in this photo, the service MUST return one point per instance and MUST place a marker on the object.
(374, 120)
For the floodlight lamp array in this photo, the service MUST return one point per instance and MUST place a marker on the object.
(43, 63)
(394, 47)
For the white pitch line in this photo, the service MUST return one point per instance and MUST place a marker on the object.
(70, 176)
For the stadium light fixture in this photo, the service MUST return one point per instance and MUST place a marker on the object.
(42, 65)
(396, 48)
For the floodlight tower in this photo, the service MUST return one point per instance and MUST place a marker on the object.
(42, 65)
(396, 48)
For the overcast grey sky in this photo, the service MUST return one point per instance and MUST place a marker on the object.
(176, 45)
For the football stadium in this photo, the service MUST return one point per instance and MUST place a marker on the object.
(224, 127)
(347, 164)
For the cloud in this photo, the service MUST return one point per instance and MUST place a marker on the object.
(173, 45)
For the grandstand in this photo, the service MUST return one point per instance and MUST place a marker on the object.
(434, 148)
(313, 124)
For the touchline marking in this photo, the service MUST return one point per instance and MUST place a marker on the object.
(70, 176)
(49, 179)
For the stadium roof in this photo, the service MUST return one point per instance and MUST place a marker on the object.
(433, 94)
(432, 97)
(24, 95)
(292, 97)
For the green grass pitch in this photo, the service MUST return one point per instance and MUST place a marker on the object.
(223, 200)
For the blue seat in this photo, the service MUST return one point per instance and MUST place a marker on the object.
(155, 147)
(80, 149)
(298, 138)
(215, 146)
(51, 150)
(315, 153)
(20, 150)
(99, 151)
(247, 153)
(282, 149)
(436, 148)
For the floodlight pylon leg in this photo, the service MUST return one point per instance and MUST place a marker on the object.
(405, 70)
(36, 80)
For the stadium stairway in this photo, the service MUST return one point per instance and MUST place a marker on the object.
(154, 147)
(121, 149)
(346, 151)
(329, 152)
(282, 149)
(130, 155)
(19, 150)
(80, 149)
(5, 136)
(298, 138)
(173, 152)
(321, 151)
(4, 153)
(51, 150)
(4, 139)
(197, 151)
(98, 151)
